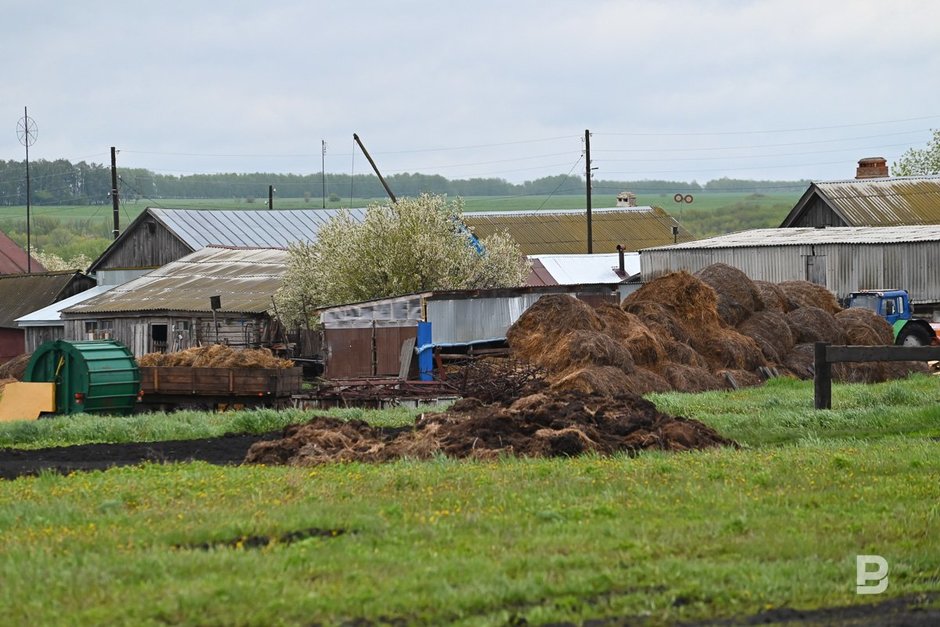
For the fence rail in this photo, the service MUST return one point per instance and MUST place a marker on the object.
(826, 354)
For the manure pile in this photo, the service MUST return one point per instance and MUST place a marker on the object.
(715, 329)
(544, 424)
(216, 356)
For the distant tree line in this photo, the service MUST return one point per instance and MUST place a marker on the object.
(65, 183)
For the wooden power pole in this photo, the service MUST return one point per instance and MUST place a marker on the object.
(587, 183)
(116, 208)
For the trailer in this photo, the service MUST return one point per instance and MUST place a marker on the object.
(164, 388)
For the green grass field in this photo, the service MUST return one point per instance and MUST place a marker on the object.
(659, 538)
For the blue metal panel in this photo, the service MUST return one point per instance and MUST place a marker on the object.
(426, 352)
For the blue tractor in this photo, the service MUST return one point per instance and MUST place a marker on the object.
(895, 307)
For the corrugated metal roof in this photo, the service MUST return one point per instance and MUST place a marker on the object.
(246, 279)
(888, 201)
(251, 228)
(52, 315)
(565, 232)
(585, 269)
(891, 201)
(13, 258)
(807, 236)
(22, 293)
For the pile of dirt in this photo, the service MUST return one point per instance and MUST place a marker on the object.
(716, 329)
(216, 356)
(548, 424)
(15, 368)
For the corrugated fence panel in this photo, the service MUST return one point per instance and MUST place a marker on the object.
(388, 343)
(349, 353)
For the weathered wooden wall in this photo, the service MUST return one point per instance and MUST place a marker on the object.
(148, 245)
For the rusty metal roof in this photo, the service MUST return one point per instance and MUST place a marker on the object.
(245, 278)
(800, 236)
(565, 232)
(888, 201)
(13, 258)
(21, 294)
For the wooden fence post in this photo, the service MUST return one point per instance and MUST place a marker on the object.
(822, 377)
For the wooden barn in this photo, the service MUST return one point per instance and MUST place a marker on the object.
(21, 294)
(212, 295)
(871, 199)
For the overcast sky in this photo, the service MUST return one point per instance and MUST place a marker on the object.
(680, 90)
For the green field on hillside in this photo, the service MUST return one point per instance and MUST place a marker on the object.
(658, 538)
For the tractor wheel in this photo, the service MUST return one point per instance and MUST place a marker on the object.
(914, 336)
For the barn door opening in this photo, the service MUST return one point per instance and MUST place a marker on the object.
(816, 269)
(158, 336)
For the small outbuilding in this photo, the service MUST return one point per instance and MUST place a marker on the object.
(212, 295)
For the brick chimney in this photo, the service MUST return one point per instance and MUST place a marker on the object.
(626, 199)
(871, 168)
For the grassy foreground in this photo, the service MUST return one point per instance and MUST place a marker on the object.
(720, 533)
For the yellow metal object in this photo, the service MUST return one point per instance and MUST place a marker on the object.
(25, 401)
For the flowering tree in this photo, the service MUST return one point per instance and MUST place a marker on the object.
(414, 245)
(920, 161)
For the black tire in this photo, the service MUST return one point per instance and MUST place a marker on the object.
(914, 335)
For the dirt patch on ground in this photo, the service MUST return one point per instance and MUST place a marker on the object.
(545, 424)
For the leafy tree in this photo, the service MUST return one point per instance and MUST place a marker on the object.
(414, 245)
(920, 161)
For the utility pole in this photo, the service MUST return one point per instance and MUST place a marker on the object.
(388, 190)
(323, 170)
(587, 183)
(27, 132)
(271, 191)
(116, 209)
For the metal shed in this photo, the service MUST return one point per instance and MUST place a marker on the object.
(844, 259)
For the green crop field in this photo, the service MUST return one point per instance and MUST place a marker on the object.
(658, 538)
(68, 230)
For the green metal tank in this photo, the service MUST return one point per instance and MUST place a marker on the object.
(98, 376)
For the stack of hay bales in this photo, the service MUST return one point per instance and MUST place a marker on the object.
(711, 330)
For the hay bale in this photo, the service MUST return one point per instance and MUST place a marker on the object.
(807, 294)
(682, 353)
(643, 381)
(603, 380)
(738, 298)
(726, 348)
(741, 378)
(546, 322)
(799, 361)
(864, 327)
(587, 348)
(692, 379)
(812, 324)
(772, 297)
(770, 331)
(644, 344)
(657, 318)
(690, 300)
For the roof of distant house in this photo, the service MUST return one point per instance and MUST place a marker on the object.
(13, 258)
(21, 294)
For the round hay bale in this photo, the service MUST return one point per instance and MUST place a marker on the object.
(644, 344)
(800, 361)
(863, 327)
(807, 294)
(772, 297)
(657, 318)
(738, 298)
(690, 379)
(741, 378)
(642, 381)
(769, 329)
(812, 324)
(863, 372)
(543, 325)
(604, 380)
(726, 348)
(692, 302)
(682, 353)
(588, 348)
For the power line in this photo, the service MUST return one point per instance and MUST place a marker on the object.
(781, 130)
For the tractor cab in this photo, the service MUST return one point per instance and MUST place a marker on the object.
(892, 305)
